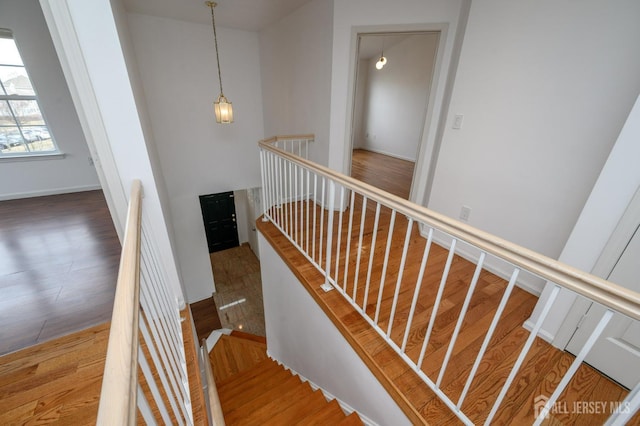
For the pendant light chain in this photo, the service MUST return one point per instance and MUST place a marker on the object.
(215, 37)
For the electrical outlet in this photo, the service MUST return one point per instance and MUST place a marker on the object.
(465, 212)
(457, 121)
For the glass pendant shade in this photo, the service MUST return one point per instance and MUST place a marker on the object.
(223, 110)
(222, 107)
(381, 62)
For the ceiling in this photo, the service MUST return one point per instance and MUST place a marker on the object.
(248, 15)
(371, 45)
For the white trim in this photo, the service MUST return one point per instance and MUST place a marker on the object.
(619, 239)
(215, 336)
(65, 40)
(388, 154)
(346, 408)
(45, 192)
(434, 111)
(8, 158)
(603, 267)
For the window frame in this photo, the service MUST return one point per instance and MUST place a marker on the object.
(22, 128)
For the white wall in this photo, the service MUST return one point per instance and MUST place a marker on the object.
(351, 16)
(92, 43)
(197, 156)
(544, 88)
(45, 176)
(302, 337)
(295, 63)
(396, 99)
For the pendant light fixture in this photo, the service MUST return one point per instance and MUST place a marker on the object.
(222, 106)
(382, 61)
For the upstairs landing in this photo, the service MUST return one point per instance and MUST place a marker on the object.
(541, 372)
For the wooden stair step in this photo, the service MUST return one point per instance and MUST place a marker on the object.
(309, 404)
(329, 414)
(248, 389)
(248, 403)
(259, 368)
(351, 419)
(232, 355)
(249, 336)
(278, 403)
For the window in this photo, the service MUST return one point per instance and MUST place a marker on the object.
(23, 130)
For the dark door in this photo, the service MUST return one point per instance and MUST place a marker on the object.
(219, 215)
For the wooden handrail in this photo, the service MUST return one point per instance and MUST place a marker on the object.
(604, 292)
(118, 396)
(215, 409)
(287, 138)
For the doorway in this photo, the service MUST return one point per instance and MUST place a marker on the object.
(219, 216)
(394, 75)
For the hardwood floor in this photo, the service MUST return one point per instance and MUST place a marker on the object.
(382, 171)
(205, 317)
(57, 382)
(58, 266)
(540, 373)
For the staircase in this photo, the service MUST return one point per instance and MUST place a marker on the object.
(255, 390)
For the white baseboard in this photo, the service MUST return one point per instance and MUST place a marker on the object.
(346, 408)
(388, 154)
(544, 335)
(45, 192)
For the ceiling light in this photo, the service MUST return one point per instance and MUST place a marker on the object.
(382, 61)
(222, 107)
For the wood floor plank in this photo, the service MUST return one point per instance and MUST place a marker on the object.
(396, 173)
(58, 269)
(329, 414)
(256, 399)
(55, 382)
(251, 387)
(310, 403)
(278, 405)
(232, 355)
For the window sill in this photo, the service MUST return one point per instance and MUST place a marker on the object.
(33, 157)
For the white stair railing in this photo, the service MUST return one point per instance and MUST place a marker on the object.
(144, 306)
(323, 214)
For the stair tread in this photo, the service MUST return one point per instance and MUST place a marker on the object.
(308, 404)
(329, 414)
(246, 405)
(248, 336)
(247, 389)
(243, 340)
(351, 419)
(232, 355)
(259, 368)
(278, 404)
